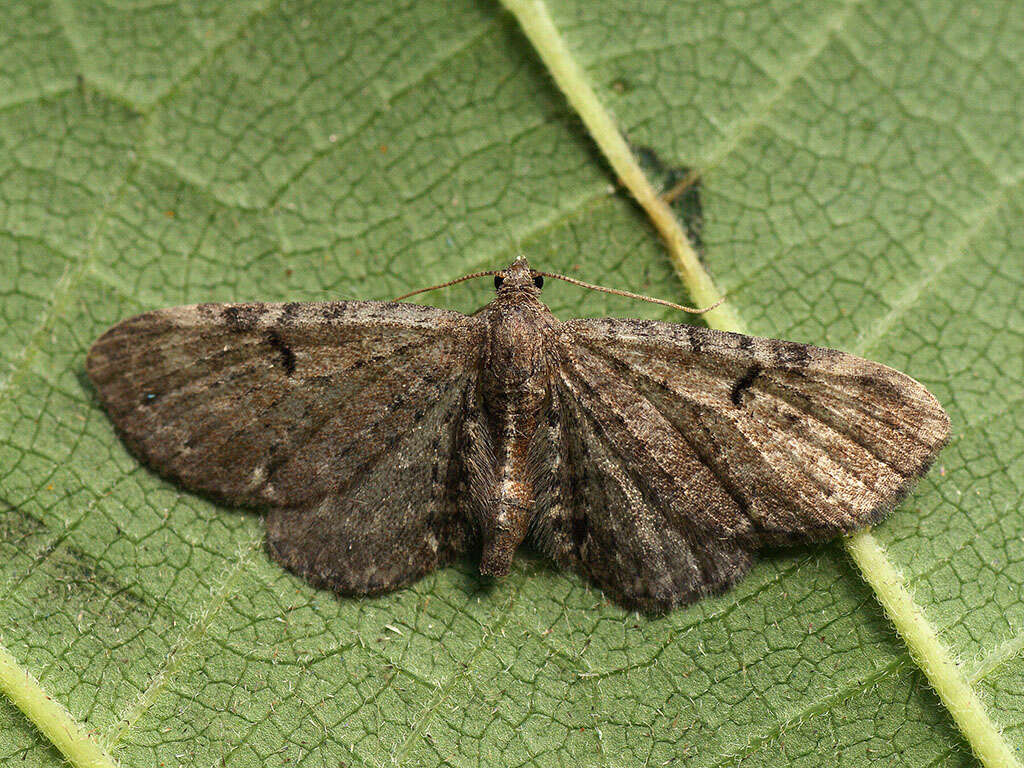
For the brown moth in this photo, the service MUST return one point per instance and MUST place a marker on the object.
(385, 439)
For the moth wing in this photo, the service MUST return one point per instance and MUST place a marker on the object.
(595, 514)
(341, 417)
(400, 517)
(684, 449)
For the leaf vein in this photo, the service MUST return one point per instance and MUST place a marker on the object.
(187, 639)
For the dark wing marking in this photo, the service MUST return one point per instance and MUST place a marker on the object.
(341, 417)
(617, 495)
(684, 449)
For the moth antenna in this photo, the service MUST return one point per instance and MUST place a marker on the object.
(628, 294)
(445, 285)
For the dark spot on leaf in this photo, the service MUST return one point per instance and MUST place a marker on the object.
(649, 159)
(17, 525)
(689, 205)
(80, 583)
(682, 188)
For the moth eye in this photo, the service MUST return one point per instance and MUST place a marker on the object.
(498, 280)
(538, 280)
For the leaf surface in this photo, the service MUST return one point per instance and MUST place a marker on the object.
(861, 172)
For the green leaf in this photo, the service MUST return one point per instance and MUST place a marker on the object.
(860, 184)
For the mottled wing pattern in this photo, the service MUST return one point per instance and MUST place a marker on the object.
(672, 452)
(341, 418)
(597, 510)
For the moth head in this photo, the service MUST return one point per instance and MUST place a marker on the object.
(518, 277)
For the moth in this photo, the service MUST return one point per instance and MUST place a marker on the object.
(385, 439)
